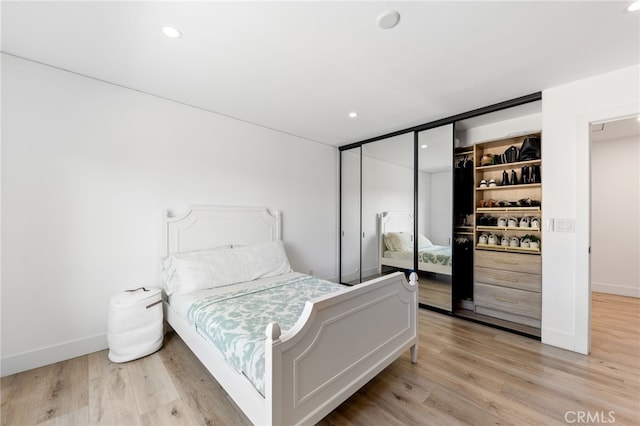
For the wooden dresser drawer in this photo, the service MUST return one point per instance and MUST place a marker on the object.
(507, 316)
(519, 280)
(528, 263)
(514, 302)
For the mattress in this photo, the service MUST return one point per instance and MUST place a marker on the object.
(233, 318)
(181, 303)
(438, 255)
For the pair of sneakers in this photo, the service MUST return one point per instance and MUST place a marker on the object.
(490, 184)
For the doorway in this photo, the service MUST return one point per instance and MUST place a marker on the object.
(615, 233)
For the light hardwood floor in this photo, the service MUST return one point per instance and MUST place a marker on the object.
(435, 292)
(466, 374)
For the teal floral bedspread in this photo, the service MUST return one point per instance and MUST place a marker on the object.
(235, 322)
(439, 255)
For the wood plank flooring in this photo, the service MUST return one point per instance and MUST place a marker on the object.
(435, 292)
(467, 374)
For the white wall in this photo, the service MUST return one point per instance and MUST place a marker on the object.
(500, 129)
(615, 221)
(567, 111)
(441, 208)
(424, 203)
(88, 167)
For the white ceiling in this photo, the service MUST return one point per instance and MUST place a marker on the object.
(300, 67)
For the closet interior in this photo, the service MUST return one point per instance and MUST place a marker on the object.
(453, 201)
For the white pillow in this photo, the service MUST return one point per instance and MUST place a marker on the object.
(169, 273)
(225, 266)
(398, 241)
(423, 242)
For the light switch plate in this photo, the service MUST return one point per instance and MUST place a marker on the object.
(564, 225)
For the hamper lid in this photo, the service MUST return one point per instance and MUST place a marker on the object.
(129, 297)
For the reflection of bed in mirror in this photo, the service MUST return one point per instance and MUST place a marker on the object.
(395, 240)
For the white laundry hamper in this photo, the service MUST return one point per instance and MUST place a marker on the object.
(135, 327)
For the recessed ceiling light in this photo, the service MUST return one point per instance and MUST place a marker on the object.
(171, 32)
(353, 114)
(388, 19)
(634, 7)
(423, 146)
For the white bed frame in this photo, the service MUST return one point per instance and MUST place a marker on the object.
(341, 341)
(401, 222)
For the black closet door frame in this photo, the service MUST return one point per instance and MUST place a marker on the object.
(416, 162)
(533, 97)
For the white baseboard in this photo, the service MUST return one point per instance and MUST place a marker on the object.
(620, 290)
(48, 355)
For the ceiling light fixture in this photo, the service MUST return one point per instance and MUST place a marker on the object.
(634, 7)
(388, 19)
(353, 114)
(423, 146)
(171, 32)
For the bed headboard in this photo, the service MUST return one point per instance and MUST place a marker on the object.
(205, 226)
(393, 222)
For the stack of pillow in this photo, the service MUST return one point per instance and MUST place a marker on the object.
(185, 272)
(403, 241)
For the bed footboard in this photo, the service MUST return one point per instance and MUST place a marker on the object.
(340, 343)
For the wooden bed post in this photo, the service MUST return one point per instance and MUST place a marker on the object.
(273, 374)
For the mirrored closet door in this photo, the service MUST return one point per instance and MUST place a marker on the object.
(457, 201)
(377, 200)
(350, 231)
(435, 204)
(387, 205)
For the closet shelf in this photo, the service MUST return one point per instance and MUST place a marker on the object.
(507, 228)
(507, 209)
(519, 186)
(509, 165)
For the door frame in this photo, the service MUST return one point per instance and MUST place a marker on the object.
(582, 291)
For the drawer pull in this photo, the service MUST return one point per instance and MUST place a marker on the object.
(504, 299)
(505, 262)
